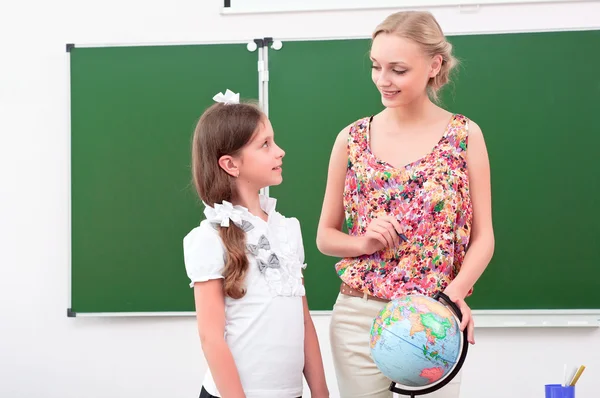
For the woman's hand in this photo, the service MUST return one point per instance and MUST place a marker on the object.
(382, 232)
(467, 316)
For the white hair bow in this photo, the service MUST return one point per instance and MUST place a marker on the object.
(221, 214)
(228, 98)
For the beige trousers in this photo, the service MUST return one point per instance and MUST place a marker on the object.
(357, 375)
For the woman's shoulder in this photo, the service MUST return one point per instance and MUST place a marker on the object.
(469, 124)
(357, 126)
(465, 134)
(354, 132)
(466, 128)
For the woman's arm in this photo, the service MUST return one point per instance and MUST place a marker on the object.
(313, 362)
(481, 244)
(210, 312)
(331, 241)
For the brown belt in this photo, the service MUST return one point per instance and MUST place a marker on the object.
(349, 291)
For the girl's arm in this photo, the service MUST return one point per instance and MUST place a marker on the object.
(481, 244)
(210, 312)
(331, 241)
(313, 362)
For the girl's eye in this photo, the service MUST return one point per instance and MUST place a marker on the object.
(266, 144)
(399, 72)
(375, 67)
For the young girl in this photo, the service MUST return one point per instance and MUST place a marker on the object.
(245, 263)
(413, 182)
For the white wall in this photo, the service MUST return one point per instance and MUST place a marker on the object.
(45, 354)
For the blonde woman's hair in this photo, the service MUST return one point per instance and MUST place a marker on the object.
(422, 28)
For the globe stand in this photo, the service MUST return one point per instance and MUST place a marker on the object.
(395, 389)
(440, 296)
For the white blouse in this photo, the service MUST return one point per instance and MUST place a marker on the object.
(265, 328)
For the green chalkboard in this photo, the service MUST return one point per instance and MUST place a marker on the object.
(536, 98)
(133, 111)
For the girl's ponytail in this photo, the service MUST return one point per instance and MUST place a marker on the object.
(224, 129)
(236, 261)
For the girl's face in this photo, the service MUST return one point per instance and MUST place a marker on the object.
(401, 69)
(260, 161)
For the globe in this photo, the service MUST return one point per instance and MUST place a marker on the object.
(417, 343)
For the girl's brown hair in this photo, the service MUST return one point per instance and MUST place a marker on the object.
(224, 130)
(422, 28)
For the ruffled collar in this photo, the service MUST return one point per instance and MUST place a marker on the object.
(224, 212)
(267, 204)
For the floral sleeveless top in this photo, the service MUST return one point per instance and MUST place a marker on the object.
(429, 197)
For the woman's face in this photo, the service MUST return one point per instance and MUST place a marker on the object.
(401, 69)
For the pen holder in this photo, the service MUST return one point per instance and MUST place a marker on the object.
(559, 391)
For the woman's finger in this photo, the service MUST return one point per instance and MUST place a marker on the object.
(388, 223)
(393, 233)
(465, 311)
(385, 233)
(377, 236)
(396, 225)
(467, 321)
(471, 331)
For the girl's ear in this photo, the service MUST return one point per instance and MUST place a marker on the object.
(436, 65)
(230, 165)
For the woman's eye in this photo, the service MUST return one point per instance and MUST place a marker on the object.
(399, 72)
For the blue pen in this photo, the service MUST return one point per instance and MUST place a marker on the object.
(403, 237)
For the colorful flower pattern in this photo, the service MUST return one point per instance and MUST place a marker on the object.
(430, 198)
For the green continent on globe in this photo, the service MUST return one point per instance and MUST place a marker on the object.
(434, 326)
